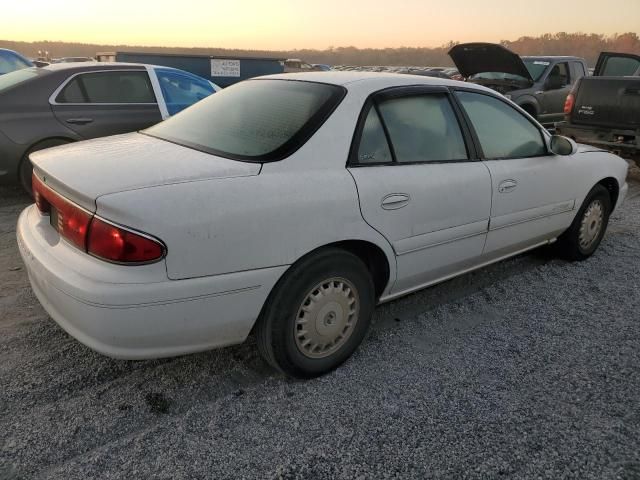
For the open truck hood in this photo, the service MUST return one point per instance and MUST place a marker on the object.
(474, 58)
(86, 170)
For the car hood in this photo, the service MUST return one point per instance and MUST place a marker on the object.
(474, 58)
(86, 170)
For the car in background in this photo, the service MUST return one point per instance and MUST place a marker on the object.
(290, 205)
(539, 85)
(11, 61)
(73, 60)
(321, 67)
(66, 102)
(294, 65)
(604, 109)
(428, 73)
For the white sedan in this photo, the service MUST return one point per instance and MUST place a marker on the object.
(291, 205)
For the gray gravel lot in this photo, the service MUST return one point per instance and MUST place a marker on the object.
(526, 369)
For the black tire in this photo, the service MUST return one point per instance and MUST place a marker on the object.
(277, 328)
(569, 244)
(25, 169)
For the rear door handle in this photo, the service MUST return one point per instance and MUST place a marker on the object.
(80, 121)
(507, 186)
(394, 201)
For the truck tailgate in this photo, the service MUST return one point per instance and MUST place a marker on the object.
(608, 102)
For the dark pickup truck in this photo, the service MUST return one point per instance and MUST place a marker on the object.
(604, 110)
(539, 84)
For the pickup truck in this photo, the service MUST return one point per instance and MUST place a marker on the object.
(604, 110)
(538, 84)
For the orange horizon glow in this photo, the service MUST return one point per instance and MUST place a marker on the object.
(291, 24)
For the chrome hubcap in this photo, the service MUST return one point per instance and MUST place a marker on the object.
(326, 318)
(591, 224)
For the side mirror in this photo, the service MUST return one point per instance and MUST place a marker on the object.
(562, 145)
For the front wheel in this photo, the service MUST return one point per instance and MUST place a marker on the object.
(584, 235)
(317, 314)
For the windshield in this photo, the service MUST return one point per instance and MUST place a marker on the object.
(536, 68)
(255, 120)
(14, 78)
(497, 76)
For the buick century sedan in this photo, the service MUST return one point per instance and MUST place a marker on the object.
(292, 205)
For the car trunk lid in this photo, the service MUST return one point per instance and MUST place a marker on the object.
(474, 58)
(84, 171)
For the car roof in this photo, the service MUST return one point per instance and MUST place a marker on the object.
(79, 66)
(371, 80)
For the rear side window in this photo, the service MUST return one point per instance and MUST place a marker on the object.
(503, 131)
(255, 120)
(579, 71)
(108, 87)
(423, 129)
(373, 146)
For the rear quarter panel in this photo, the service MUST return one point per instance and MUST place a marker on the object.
(228, 225)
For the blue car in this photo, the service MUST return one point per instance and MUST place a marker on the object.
(11, 61)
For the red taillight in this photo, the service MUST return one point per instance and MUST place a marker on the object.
(92, 234)
(116, 244)
(569, 103)
(71, 221)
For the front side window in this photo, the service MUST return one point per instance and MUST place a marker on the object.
(503, 131)
(423, 129)
(561, 70)
(255, 120)
(108, 87)
(181, 91)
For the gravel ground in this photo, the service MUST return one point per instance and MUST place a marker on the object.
(526, 369)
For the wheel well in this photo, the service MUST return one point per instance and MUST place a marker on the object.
(373, 257)
(530, 109)
(611, 184)
(42, 143)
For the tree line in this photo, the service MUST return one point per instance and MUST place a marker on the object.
(587, 45)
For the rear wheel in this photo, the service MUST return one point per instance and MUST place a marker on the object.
(584, 235)
(26, 169)
(317, 314)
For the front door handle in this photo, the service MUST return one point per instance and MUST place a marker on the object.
(507, 186)
(394, 201)
(80, 121)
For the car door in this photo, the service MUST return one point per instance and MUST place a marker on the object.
(101, 103)
(181, 89)
(419, 183)
(556, 89)
(617, 65)
(533, 199)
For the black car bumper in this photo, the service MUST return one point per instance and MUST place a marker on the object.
(625, 143)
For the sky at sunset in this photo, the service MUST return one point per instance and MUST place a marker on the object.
(289, 24)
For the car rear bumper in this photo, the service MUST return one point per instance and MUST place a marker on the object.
(134, 319)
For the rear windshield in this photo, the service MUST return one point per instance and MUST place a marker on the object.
(255, 120)
(12, 79)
